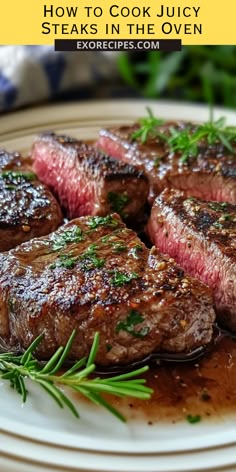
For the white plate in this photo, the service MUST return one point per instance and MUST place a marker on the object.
(39, 437)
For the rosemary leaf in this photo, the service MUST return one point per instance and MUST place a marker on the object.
(16, 369)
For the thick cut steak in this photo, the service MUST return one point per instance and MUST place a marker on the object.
(27, 207)
(201, 237)
(95, 275)
(86, 181)
(209, 176)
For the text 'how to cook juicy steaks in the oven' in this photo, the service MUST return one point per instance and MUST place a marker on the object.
(95, 275)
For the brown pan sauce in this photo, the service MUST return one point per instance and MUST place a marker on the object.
(200, 389)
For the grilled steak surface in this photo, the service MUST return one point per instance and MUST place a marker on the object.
(93, 274)
(86, 181)
(13, 161)
(201, 237)
(27, 207)
(209, 176)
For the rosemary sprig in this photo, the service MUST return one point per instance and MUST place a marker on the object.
(17, 368)
(188, 139)
(148, 127)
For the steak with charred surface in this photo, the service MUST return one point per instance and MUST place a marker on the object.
(86, 181)
(201, 237)
(93, 274)
(211, 175)
(27, 207)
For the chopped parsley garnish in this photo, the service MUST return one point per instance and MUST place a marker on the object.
(157, 161)
(14, 174)
(90, 259)
(227, 217)
(118, 201)
(91, 262)
(135, 250)
(119, 247)
(10, 187)
(96, 221)
(90, 251)
(192, 419)
(71, 235)
(106, 238)
(65, 260)
(217, 224)
(216, 206)
(11, 304)
(134, 318)
(120, 278)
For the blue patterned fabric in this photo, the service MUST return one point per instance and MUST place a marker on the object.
(31, 74)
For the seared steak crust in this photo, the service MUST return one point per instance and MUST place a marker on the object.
(201, 237)
(94, 274)
(86, 181)
(209, 176)
(27, 207)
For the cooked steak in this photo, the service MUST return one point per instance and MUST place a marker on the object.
(93, 274)
(86, 181)
(13, 161)
(201, 237)
(27, 207)
(211, 175)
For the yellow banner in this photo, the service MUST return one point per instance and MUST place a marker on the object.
(43, 21)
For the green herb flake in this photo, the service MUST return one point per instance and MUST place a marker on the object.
(91, 262)
(108, 347)
(11, 304)
(134, 251)
(65, 260)
(134, 318)
(119, 247)
(10, 187)
(205, 396)
(118, 201)
(120, 278)
(105, 239)
(71, 235)
(193, 419)
(157, 162)
(218, 225)
(227, 217)
(96, 221)
(216, 206)
(90, 251)
(14, 174)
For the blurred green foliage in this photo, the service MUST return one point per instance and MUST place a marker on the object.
(197, 73)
